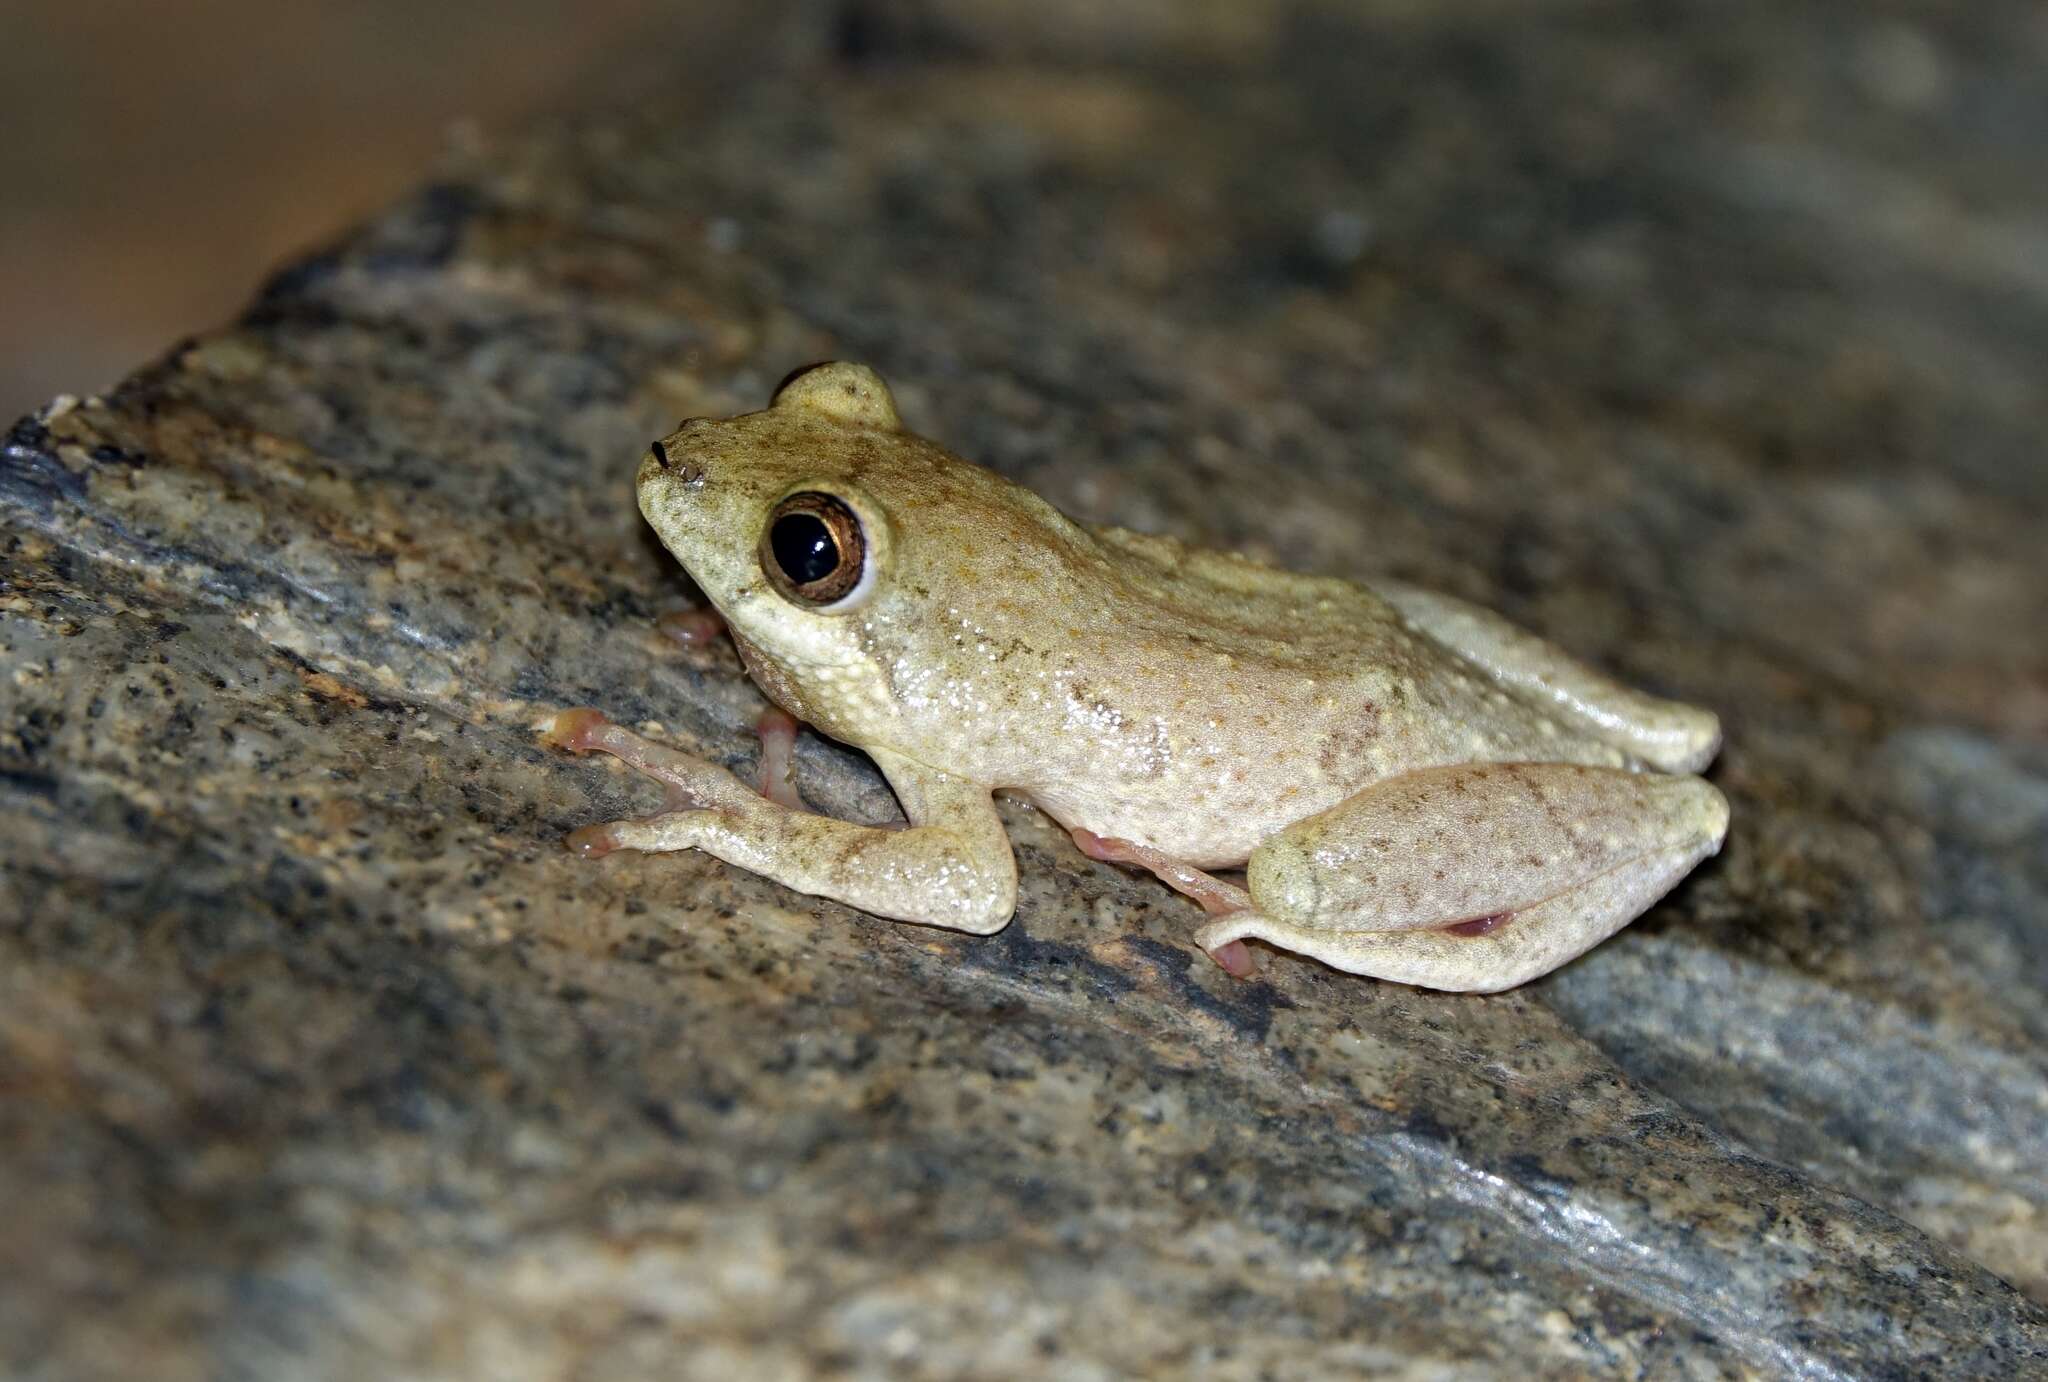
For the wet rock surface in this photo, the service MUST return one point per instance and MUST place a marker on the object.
(1706, 342)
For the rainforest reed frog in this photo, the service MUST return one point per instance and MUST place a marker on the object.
(1416, 789)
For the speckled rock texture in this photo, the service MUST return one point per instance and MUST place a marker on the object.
(1706, 339)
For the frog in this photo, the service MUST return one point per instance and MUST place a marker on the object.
(1397, 783)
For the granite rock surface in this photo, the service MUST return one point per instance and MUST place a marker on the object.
(1705, 339)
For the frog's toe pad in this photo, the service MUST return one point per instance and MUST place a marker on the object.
(591, 841)
(1235, 959)
(577, 730)
(693, 628)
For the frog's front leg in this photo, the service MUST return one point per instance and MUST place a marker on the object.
(952, 867)
(1478, 877)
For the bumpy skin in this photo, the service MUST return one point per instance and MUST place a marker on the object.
(1422, 791)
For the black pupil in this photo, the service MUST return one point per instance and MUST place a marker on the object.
(804, 548)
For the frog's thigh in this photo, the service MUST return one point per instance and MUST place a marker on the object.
(1670, 735)
(1531, 862)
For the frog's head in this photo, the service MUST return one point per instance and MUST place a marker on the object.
(824, 532)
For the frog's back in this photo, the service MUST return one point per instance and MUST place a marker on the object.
(1336, 656)
(1230, 698)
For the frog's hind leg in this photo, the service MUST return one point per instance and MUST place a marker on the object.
(1668, 735)
(1483, 955)
(1475, 878)
(1217, 898)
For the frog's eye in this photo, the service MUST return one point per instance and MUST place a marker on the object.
(812, 549)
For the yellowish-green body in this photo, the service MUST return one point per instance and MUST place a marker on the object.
(1390, 763)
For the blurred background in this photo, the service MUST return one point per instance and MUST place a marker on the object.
(160, 159)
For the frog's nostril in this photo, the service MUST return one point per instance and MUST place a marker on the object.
(689, 474)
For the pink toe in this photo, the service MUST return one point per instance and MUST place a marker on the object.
(577, 730)
(777, 729)
(693, 628)
(1234, 958)
(590, 841)
(1478, 926)
(1101, 847)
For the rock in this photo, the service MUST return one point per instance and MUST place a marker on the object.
(1705, 342)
